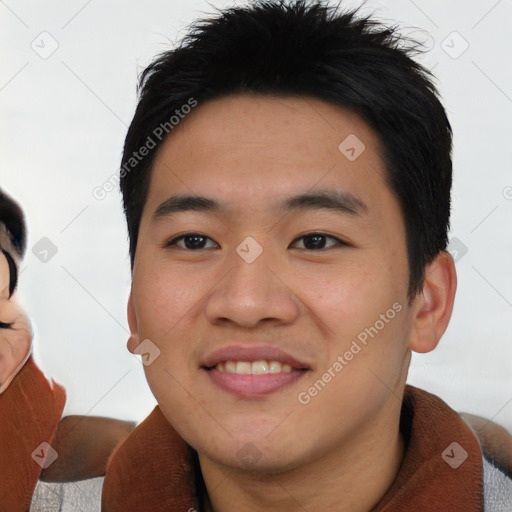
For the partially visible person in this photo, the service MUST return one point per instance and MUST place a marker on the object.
(39, 450)
(15, 328)
(30, 406)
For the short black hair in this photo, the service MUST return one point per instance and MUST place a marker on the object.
(302, 48)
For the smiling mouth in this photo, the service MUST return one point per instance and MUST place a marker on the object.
(261, 367)
(252, 379)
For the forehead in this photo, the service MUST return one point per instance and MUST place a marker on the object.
(250, 150)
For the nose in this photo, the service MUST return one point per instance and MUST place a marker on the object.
(250, 293)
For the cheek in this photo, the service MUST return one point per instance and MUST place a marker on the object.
(167, 303)
(348, 297)
(361, 307)
(163, 298)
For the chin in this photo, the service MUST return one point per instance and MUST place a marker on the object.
(251, 459)
(253, 453)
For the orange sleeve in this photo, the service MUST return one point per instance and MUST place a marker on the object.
(30, 412)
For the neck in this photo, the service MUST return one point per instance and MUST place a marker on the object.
(352, 478)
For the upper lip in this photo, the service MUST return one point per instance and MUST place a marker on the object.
(251, 354)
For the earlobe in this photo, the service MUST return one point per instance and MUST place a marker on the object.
(434, 304)
(133, 340)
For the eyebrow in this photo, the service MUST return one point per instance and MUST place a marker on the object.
(340, 201)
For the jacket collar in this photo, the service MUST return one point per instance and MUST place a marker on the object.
(155, 469)
(430, 477)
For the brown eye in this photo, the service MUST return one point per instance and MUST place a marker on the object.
(316, 241)
(191, 241)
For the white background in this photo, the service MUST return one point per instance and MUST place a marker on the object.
(64, 119)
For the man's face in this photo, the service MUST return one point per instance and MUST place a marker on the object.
(325, 278)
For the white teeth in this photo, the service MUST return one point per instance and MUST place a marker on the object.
(243, 367)
(275, 367)
(259, 367)
(254, 368)
(230, 366)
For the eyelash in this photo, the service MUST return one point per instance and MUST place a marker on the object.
(339, 243)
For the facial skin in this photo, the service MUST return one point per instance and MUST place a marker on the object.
(340, 451)
(16, 340)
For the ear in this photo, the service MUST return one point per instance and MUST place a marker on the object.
(133, 340)
(434, 305)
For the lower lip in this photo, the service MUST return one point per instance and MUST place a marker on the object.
(249, 386)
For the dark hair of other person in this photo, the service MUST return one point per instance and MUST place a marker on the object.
(13, 236)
